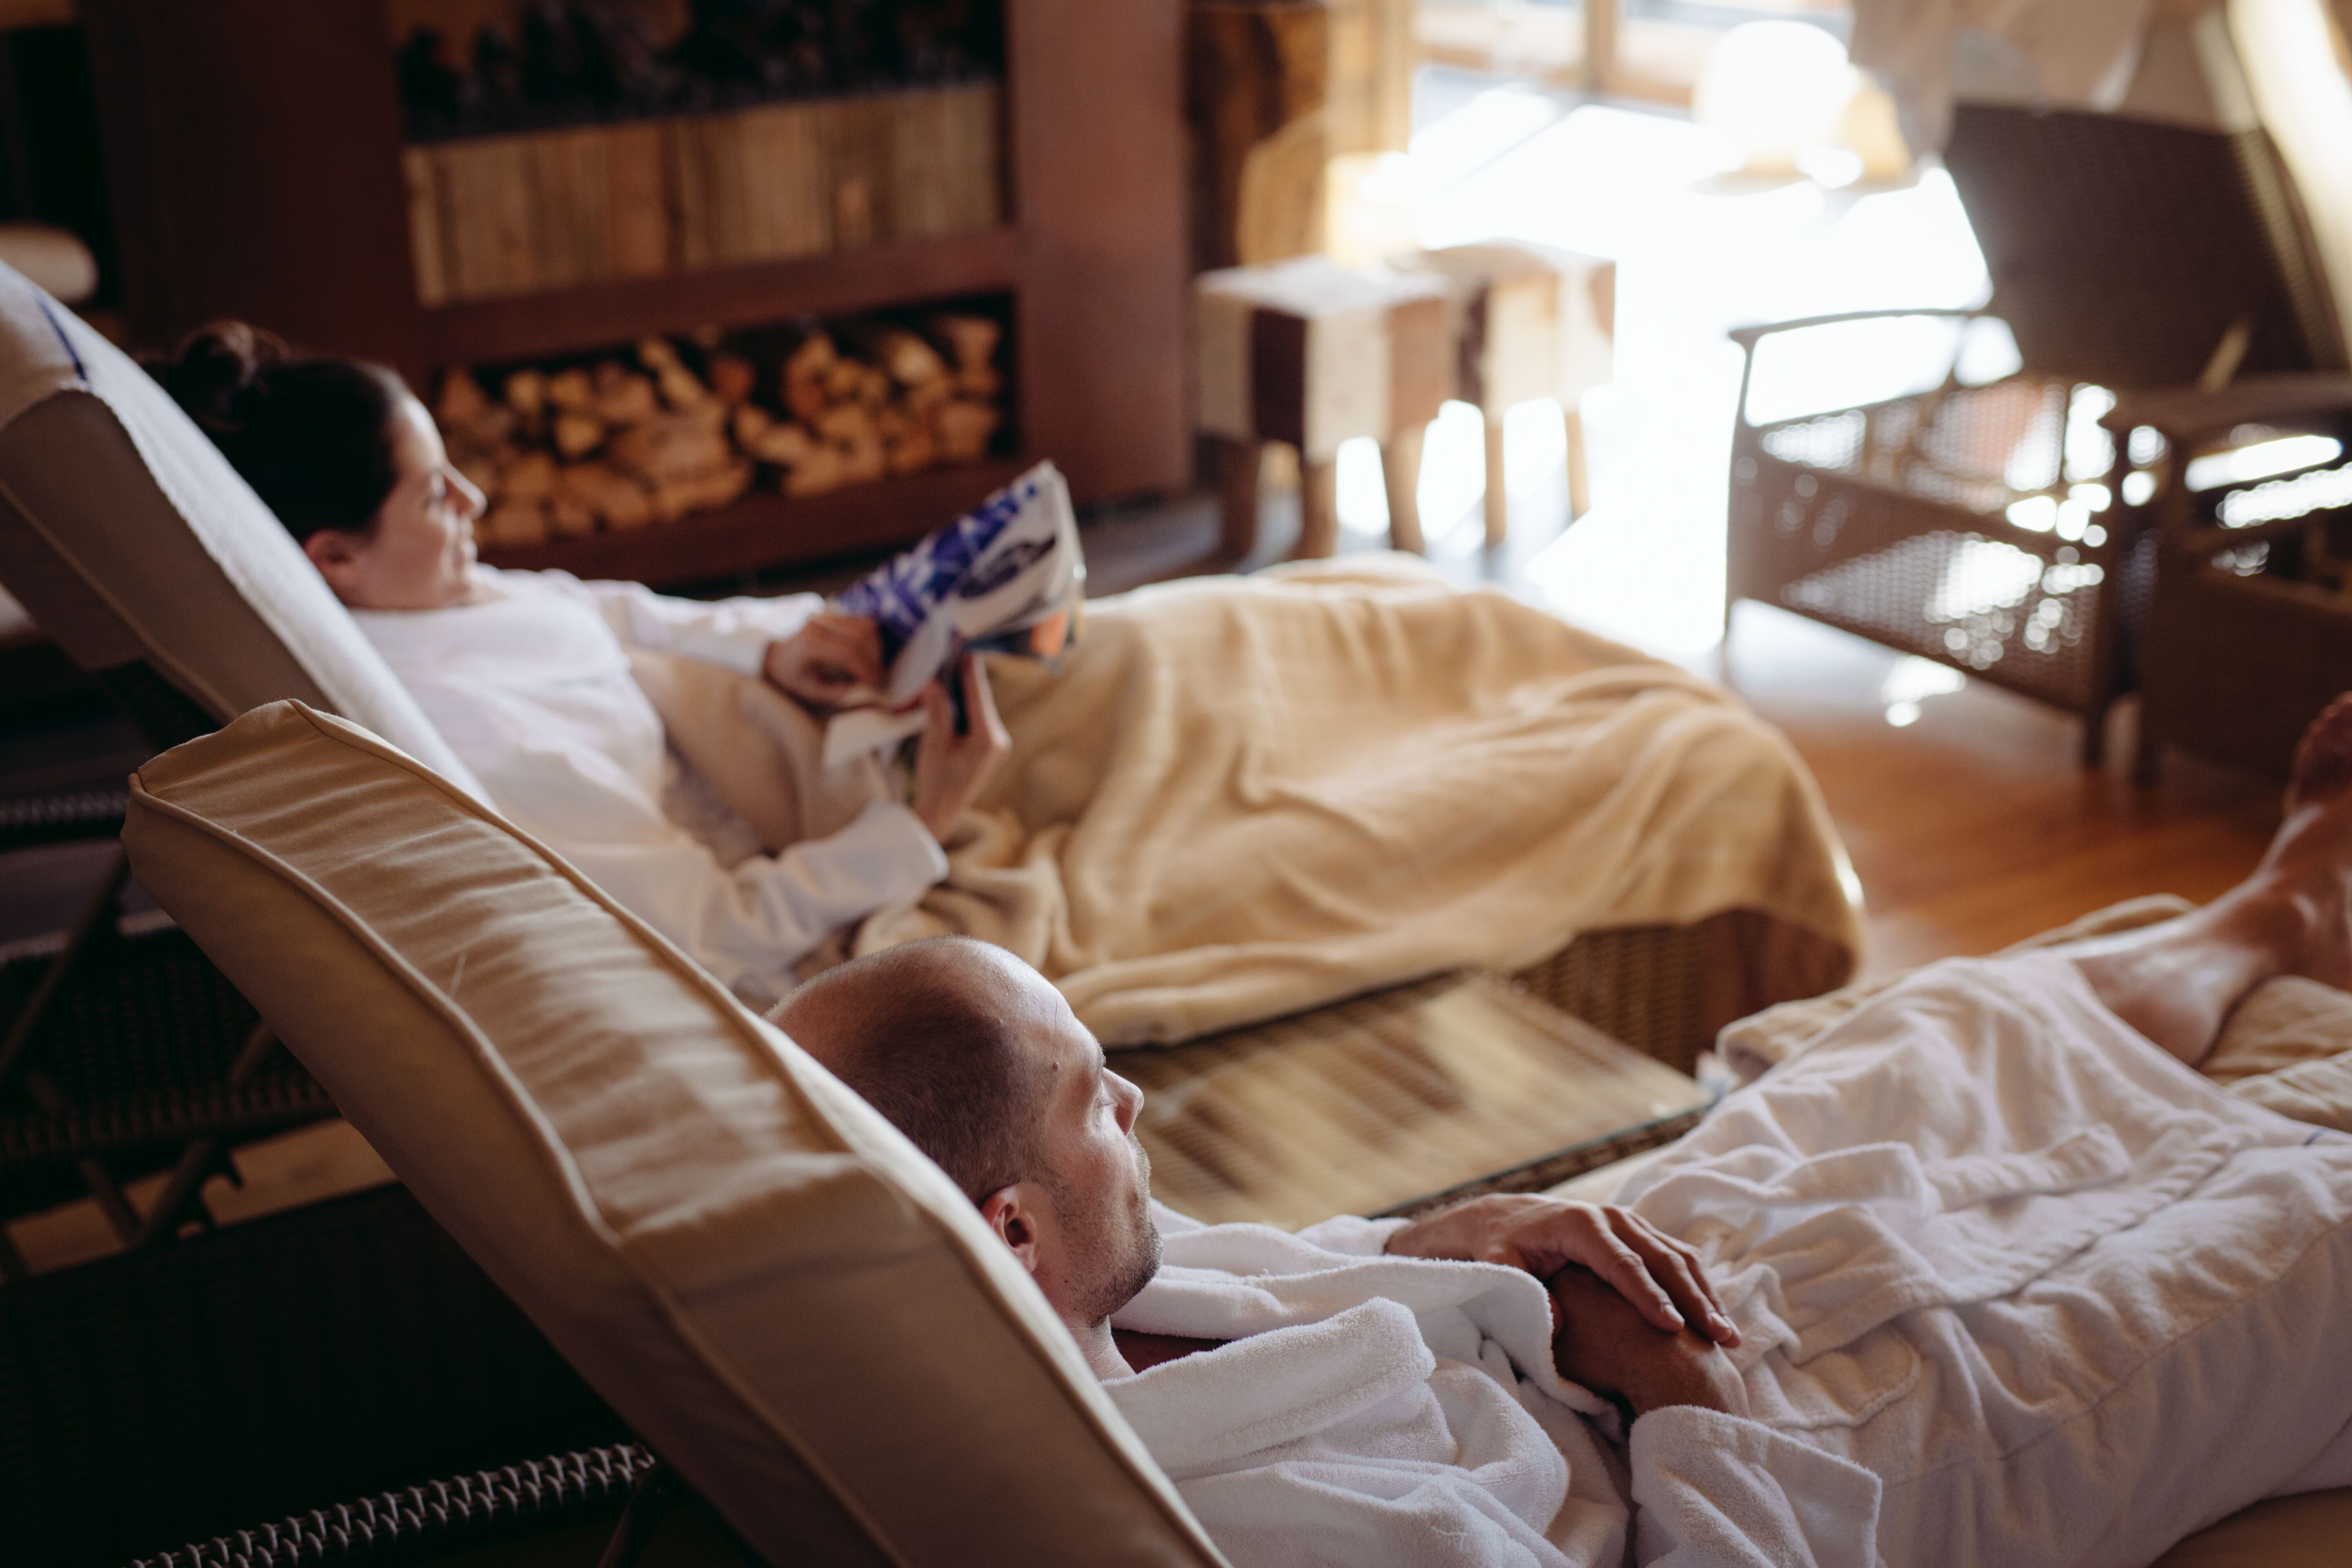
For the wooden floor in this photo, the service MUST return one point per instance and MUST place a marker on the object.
(1974, 825)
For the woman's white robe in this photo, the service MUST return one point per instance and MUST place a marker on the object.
(530, 684)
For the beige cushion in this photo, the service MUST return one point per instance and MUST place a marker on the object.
(127, 536)
(763, 1277)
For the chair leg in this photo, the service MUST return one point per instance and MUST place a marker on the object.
(1499, 497)
(1238, 467)
(649, 1502)
(2094, 738)
(92, 929)
(1319, 508)
(198, 1159)
(2147, 759)
(1580, 475)
(93, 926)
(1401, 467)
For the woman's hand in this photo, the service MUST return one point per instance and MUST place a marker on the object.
(950, 770)
(1658, 1276)
(827, 660)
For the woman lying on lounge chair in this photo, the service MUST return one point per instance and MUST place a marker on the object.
(1237, 798)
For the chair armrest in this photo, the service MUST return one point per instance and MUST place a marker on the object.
(1748, 337)
(2183, 414)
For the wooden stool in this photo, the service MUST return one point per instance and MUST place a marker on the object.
(1313, 354)
(1535, 323)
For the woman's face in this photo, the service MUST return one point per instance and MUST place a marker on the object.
(420, 555)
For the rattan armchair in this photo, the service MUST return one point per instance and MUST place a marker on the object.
(2242, 646)
(1979, 524)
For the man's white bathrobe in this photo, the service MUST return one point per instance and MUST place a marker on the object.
(2015, 1288)
(530, 684)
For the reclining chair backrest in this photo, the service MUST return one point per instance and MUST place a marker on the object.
(2125, 247)
(787, 1301)
(130, 541)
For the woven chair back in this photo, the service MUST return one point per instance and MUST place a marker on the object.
(2123, 251)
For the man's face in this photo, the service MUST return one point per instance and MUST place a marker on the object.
(1097, 1245)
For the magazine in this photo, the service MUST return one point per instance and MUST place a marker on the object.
(1008, 576)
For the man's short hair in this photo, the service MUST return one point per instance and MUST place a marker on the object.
(928, 1034)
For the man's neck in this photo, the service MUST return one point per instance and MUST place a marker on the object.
(1095, 1343)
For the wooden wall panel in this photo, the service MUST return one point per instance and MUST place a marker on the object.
(253, 147)
(1099, 163)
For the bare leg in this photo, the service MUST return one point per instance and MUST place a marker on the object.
(2177, 982)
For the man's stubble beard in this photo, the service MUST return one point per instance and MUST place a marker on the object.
(1124, 1255)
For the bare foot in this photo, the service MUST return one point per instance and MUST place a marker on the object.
(2323, 758)
(2178, 983)
(2308, 867)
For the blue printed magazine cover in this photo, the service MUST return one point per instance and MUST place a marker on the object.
(1007, 576)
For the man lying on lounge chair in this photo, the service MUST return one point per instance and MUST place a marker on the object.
(1986, 1275)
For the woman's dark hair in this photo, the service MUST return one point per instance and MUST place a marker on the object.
(313, 436)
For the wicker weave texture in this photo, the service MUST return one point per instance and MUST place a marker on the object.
(260, 1372)
(1378, 1102)
(439, 1516)
(2245, 643)
(61, 815)
(1667, 989)
(2122, 250)
(139, 1046)
(1892, 522)
(2123, 254)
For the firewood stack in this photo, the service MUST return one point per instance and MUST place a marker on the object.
(616, 447)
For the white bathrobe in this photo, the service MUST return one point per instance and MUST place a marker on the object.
(530, 684)
(2016, 1288)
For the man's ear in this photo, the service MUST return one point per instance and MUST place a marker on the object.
(1003, 1212)
(336, 554)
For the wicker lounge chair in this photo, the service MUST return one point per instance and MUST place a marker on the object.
(2130, 253)
(865, 1436)
(128, 1052)
(2247, 635)
(161, 575)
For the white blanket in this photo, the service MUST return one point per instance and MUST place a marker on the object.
(1993, 1252)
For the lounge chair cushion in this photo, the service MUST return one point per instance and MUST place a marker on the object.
(791, 1304)
(127, 536)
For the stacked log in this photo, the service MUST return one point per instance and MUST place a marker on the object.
(623, 444)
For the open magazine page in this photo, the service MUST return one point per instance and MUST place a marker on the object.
(1008, 576)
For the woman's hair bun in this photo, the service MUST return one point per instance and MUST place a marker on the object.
(218, 370)
(314, 437)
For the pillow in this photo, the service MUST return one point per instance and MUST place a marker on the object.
(128, 536)
(787, 1300)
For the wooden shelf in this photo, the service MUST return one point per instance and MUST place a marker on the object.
(254, 152)
(528, 326)
(766, 530)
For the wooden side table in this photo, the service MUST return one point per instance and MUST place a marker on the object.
(1535, 323)
(1312, 354)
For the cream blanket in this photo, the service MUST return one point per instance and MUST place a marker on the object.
(1242, 797)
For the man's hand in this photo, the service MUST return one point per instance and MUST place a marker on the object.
(827, 660)
(1658, 1275)
(950, 770)
(1604, 1344)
